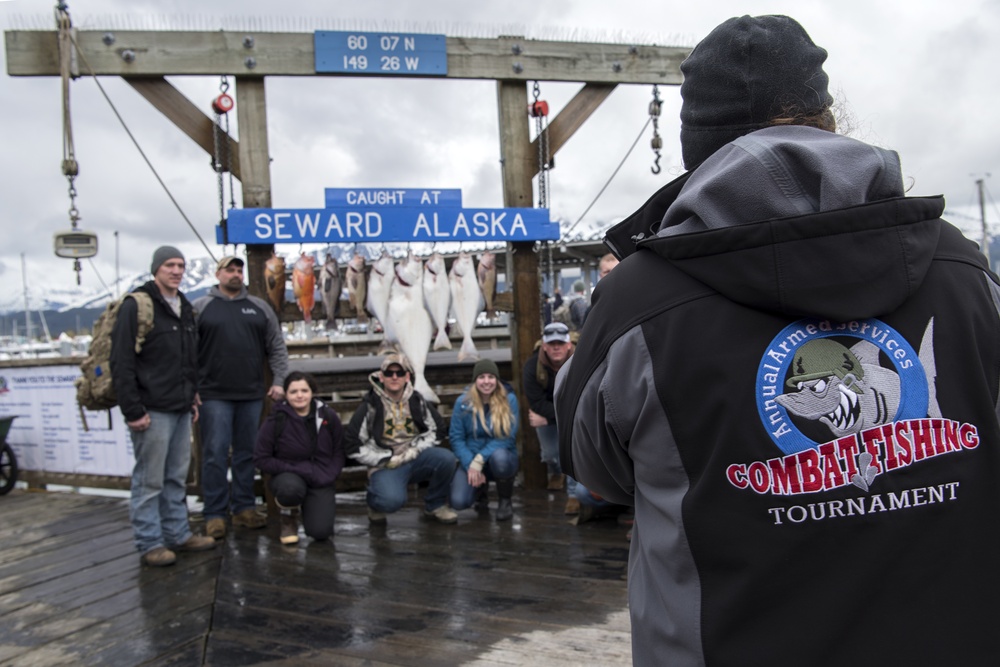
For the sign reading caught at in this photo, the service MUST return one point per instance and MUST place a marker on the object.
(379, 215)
(380, 53)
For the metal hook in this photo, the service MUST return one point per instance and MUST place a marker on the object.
(656, 164)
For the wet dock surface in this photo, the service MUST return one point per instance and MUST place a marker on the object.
(533, 591)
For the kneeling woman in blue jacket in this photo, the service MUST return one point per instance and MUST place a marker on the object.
(301, 446)
(483, 426)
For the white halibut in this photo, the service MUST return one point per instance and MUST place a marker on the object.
(408, 317)
(466, 301)
(437, 297)
(379, 286)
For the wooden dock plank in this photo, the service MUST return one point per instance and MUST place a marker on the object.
(535, 590)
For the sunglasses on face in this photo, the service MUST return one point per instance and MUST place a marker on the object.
(394, 374)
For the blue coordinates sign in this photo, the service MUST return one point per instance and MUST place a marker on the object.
(384, 54)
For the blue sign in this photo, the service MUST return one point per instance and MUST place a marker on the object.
(380, 53)
(366, 224)
(355, 197)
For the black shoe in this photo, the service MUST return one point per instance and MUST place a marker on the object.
(483, 499)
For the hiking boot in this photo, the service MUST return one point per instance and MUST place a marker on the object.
(196, 543)
(289, 526)
(215, 528)
(572, 506)
(586, 513)
(376, 517)
(159, 557)
(556, 481)
(443, 514)
(249, 518)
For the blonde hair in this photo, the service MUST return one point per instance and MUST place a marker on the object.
(502, 417)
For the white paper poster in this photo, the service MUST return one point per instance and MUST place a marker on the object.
(48, 434)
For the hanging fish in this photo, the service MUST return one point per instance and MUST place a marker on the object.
(486, 274)
(466, 302)
(274, 278)
(304, 285)
(379, 283)
(411, 321)
(437, 297)
(330, 289)
(356, 286)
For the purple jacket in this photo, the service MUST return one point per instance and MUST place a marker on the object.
(319, 464)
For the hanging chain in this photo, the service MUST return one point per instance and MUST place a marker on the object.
(220, 150)
(70, 167)
(542, 137)
(655, 107)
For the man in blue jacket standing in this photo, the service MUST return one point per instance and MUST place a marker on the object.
(157, 393)
(237, 335)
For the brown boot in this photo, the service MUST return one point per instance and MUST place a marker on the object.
(196, 543)
(572, 506)
(556, 481)
(159, 557)
(215, 528)
(249, 518)
(289, 525)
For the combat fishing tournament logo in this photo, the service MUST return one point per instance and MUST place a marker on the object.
(845, 403)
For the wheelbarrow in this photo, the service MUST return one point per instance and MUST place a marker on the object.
(8, 461)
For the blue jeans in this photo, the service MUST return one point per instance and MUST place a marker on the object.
(581, 493)
(226, 424)
(387, 488)
(548, 440)
(501, 465)
(157, 508)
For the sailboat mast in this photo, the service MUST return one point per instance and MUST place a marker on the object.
(27, 311)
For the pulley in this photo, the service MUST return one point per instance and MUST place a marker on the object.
(223, 104)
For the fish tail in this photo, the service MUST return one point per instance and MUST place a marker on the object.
(441, 342)
(468, 350)
(425, 389)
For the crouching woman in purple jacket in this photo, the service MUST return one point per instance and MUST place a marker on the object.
(301, 447)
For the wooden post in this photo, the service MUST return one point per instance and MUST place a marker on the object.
(255, 168)
(519, 164)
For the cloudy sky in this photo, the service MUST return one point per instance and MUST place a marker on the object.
(917, 77)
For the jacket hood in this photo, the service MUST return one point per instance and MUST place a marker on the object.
(797, 221)
(214, 291)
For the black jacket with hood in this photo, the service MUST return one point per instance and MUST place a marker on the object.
(793, 375)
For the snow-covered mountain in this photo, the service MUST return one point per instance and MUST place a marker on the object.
(199, 276)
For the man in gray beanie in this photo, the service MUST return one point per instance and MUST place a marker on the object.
(793, 377)
(156, 387)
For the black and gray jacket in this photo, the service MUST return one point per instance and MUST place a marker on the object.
(164, 376)
(363, 437)
(793, 376)
(236, 337)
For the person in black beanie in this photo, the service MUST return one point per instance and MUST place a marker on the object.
(792, 375)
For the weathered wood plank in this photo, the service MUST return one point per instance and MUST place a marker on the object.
(155, 53)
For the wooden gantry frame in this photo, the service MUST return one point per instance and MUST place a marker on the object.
(144, 58)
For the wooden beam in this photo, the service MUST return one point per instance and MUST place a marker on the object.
(573, 115)
(162, 53)
(185, 115)
(518, 164)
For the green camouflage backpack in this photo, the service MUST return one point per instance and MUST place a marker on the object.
(94, 388)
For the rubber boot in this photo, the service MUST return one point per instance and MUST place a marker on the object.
(289, 524)
(483, 499)
(505, 489)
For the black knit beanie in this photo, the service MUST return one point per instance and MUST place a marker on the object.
(748, 71)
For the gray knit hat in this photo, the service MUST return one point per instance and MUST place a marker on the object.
(748, 71)
(162, 254)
